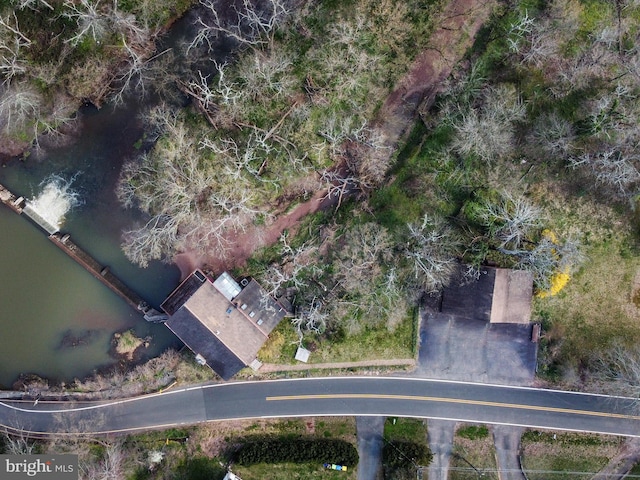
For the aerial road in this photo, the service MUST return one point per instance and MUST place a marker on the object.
(350, 396)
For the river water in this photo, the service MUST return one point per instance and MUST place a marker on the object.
(56, 320)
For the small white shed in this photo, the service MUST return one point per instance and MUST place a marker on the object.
(302, 354)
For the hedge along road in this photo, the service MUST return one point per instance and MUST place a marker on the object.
(344, 396)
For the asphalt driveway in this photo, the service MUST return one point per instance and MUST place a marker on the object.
(465, 349)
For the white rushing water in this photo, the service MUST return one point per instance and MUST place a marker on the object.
(52, 204)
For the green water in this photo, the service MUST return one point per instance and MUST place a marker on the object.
(44, 296)
(56, 320)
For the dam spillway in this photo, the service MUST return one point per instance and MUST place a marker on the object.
(40, 220)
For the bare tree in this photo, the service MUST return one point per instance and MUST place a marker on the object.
(17, 443)
(110, 466)
(20, 104)
(12, 42)
(430, 248)
(613, 168)
(131, 77)
(61, 114)
(32, 4)
(12, 64)
(619, 364)
(547, 258)
(220, 101)
(194, 200)
(91, 21)
(554, 134)
(520, 29)
(509, 220)
(154, 241)
(253, 25)
(250, 157)
(488, 130)
(311, 318)
(361, 251)
(338, 128)
(264, 74)
(296, 266)
(338, 184)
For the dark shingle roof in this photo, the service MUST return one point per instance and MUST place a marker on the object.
(183, 292)
(199, 339)
(470, 300)
(259, 307)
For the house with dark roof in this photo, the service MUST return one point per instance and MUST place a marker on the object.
(225, 323)
(499, 295)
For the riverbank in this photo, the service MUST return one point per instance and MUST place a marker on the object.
(62, 56)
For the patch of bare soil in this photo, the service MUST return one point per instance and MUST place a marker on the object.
(457, 27)
(243, 244)
(458, 24)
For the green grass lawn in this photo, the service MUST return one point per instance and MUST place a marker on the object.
(369, 344)
(596, 307)
(410, 429)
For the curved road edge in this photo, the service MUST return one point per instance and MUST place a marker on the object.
(331, 396)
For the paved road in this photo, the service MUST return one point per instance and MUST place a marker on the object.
(344, 396)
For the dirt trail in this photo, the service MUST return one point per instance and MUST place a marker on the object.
(620, 465)
(243, 244)
(458, 24)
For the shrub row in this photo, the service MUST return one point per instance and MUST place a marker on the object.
(297, 450)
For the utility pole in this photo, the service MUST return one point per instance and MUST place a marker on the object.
(478, 472)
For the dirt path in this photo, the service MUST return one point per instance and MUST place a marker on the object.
(458, 24)
(620, 465)
(242, 245)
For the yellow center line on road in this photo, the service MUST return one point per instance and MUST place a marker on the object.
(483, 403)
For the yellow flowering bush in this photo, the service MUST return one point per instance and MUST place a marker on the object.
(550, 235)
(560, 278)
(558, 281)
